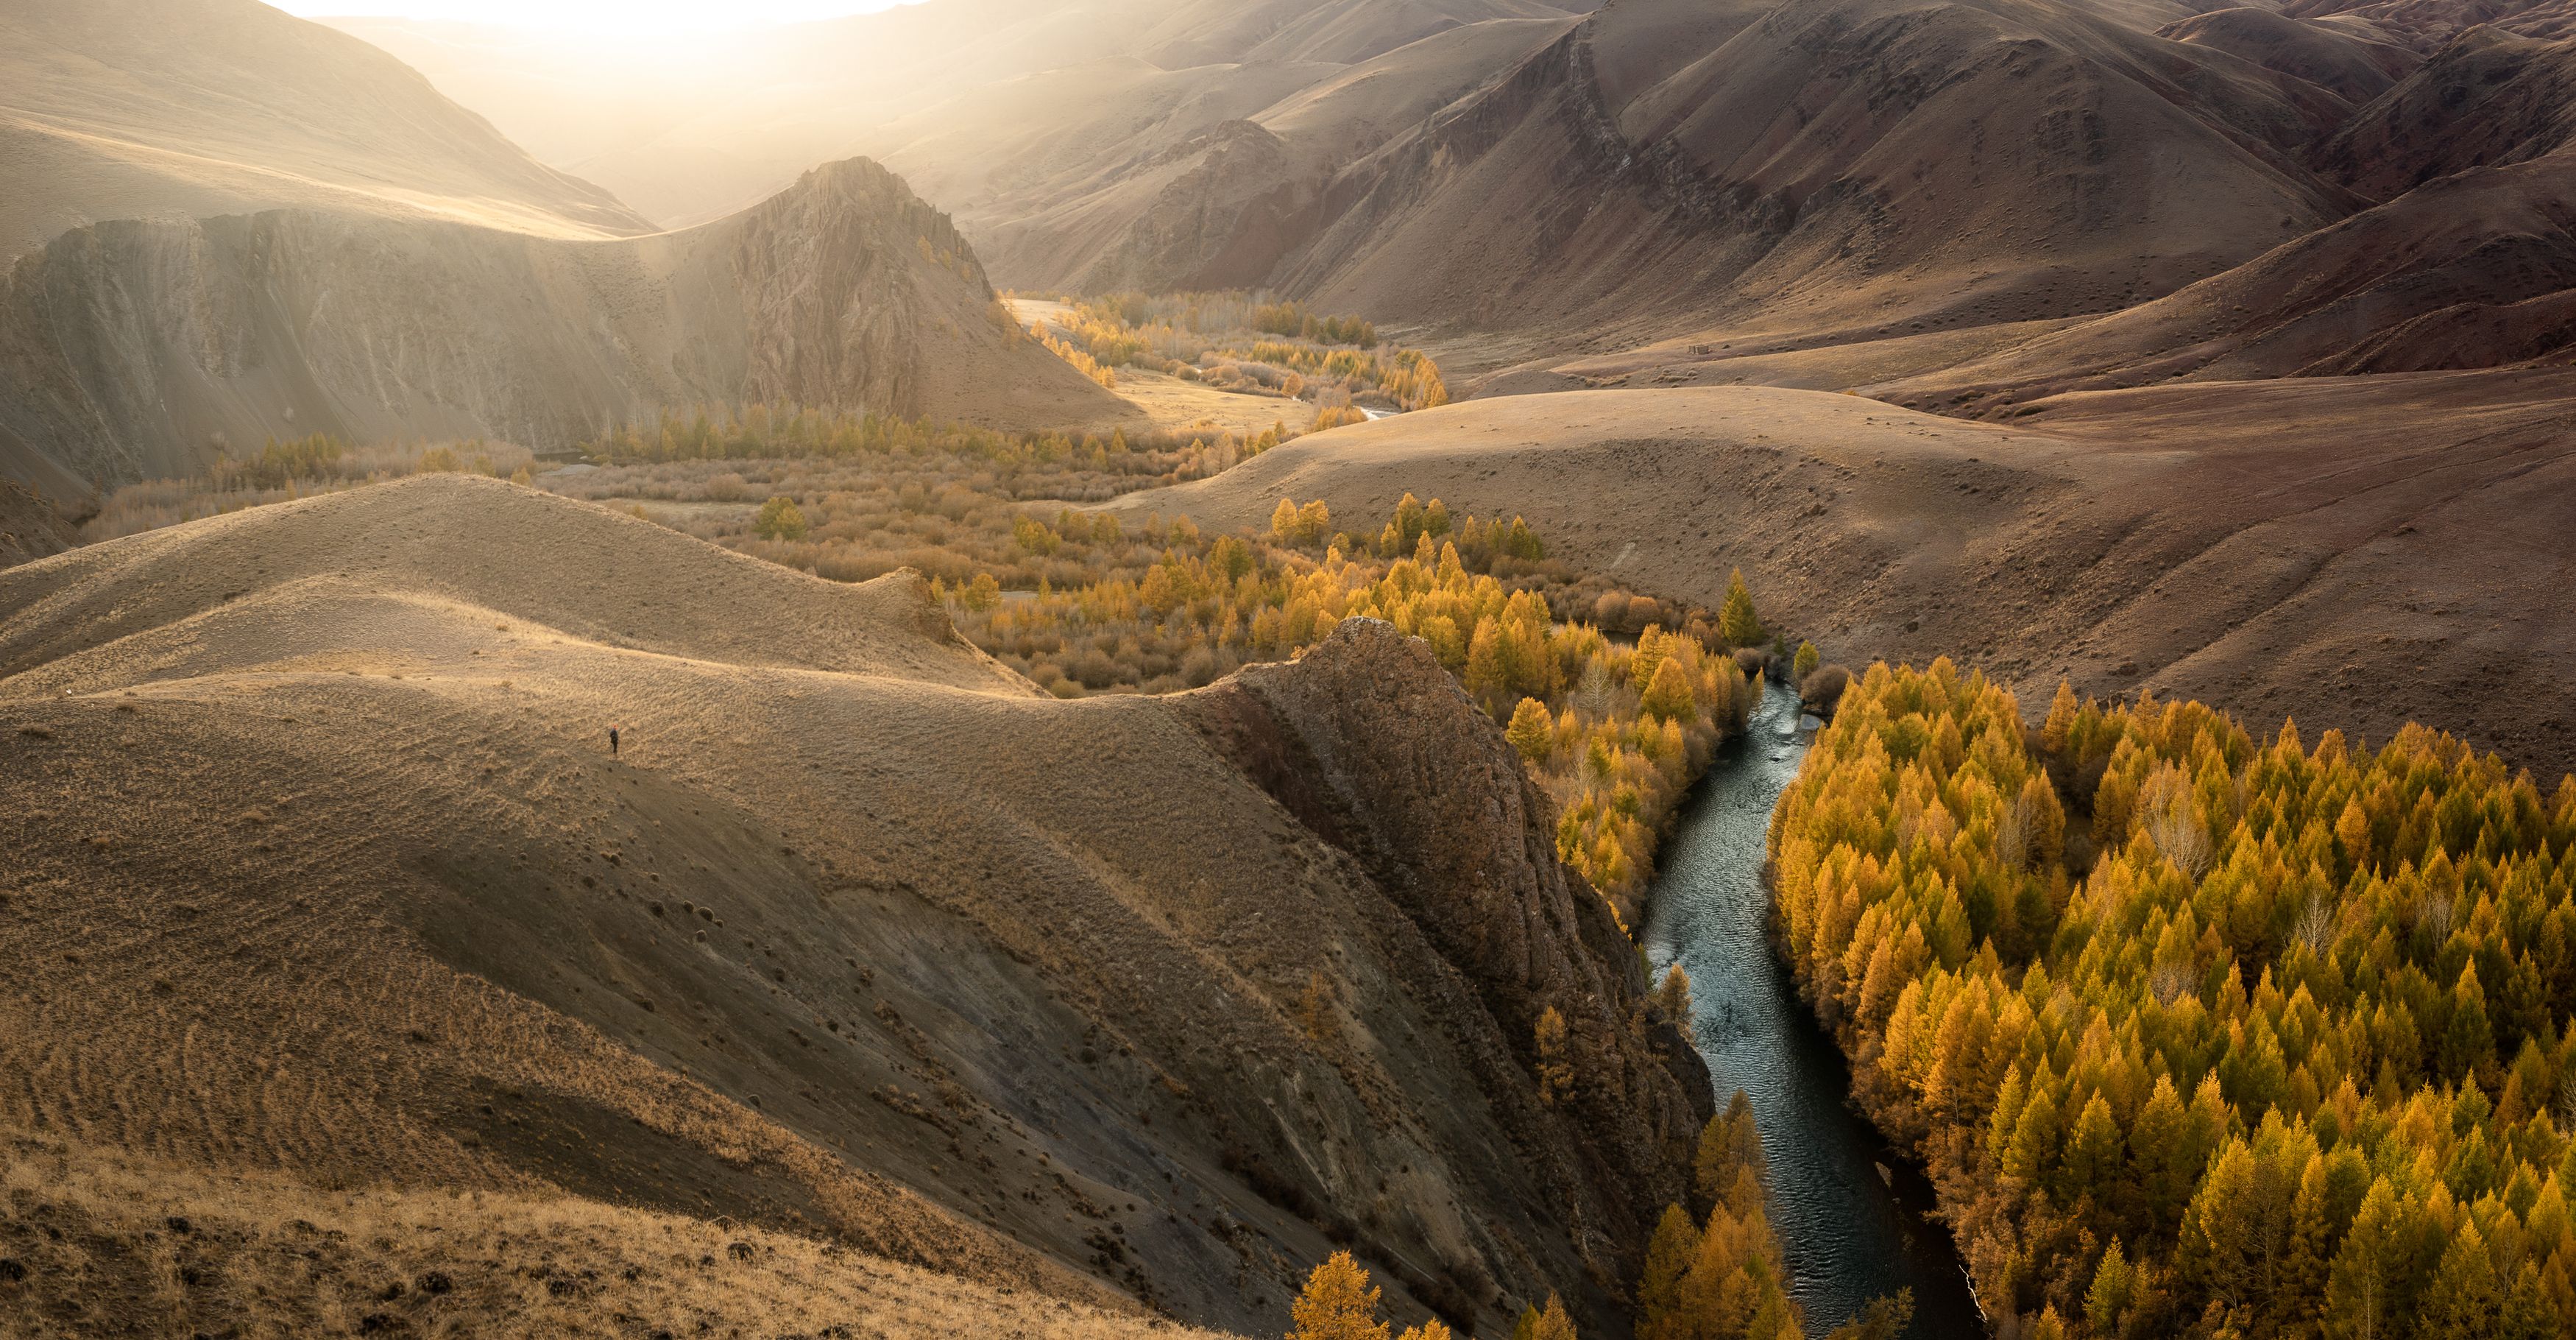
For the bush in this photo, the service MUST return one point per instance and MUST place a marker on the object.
(1823, 690)
(779, 520)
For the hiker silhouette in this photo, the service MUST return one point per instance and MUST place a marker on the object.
(612, 742)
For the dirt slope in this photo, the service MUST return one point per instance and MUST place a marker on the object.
(111, 1242)
(1200, 202)
(1778, 178)
(2467, 271)
(2487, 99)
(2428, 24)
(134, 349)
(318, 866)
(2287, 546)
(2345, 63)
(188, 108)
(29, 525)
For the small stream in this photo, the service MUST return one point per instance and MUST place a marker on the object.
(1850, 1214)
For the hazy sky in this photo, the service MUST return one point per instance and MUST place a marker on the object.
(608, 15)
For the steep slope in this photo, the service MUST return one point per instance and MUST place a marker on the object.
(2468, 271)
(1221, 206)
(1820, 174)
(318, 863)
(2428, 24)
(134, 349)
(2285, 546)
(188, 108)
(112, 1243)
(2351, 66)
(2486, 99)
(29, 525)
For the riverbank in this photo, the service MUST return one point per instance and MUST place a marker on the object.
(1855, 1219)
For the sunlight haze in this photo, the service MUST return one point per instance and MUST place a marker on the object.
(620, 16)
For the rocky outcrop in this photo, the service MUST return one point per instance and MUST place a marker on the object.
(1377, 751)
(135, 349)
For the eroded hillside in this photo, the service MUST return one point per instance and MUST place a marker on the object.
(136, 349)
(325, 872)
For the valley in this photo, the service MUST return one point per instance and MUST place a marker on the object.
(1575, 669)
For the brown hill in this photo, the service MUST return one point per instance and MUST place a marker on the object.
(1200, 203)
(1815, 174)
(136, 349)
(2277, 547)
(2345, 63)
(2467, 271)
(319, 870)
(2428, 24)
(180, 109)
(2487, 99)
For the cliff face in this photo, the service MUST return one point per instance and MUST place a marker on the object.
(1376, 750)
(133, 349)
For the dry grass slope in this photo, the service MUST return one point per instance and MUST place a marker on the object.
(107, 1243)
(319, 866)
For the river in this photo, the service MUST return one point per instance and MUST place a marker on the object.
(1851, 1216)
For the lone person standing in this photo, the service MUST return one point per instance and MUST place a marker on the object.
(612, 742)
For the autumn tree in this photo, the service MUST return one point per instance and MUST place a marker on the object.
(1552, 1322)
(1338, 1303)
(1668, 695)
(1804, 663)
(1727, 1168)
(2292, 1056)
(779, 519)
(1672, 999)
(1555, 1061)
(1532, 730)
(1882, 1318)
(1736, 621)
(1669, 1254)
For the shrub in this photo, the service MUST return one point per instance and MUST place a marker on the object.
(1823, 690)
(779, 520)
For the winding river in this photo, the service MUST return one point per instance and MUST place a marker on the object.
(1851, 1216)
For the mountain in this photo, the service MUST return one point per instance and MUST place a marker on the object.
(689, 129)
(1821, 173)
(2472, 270)
(2486, 99)
(2351, 65)
(2284, 546)
(1207, 203)
(323, 873)
(183, 109)
(136, 349)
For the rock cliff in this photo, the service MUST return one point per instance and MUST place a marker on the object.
(1378, 752)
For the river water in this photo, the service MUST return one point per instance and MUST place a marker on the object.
(1851, 1216)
